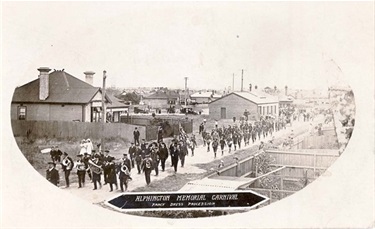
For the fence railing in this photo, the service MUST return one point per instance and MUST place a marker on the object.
(298, 164)
(73, 130)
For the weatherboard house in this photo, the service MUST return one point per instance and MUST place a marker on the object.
(234, 105)
(58, 96)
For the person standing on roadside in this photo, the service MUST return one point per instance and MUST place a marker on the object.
(136, 135)
(52, 175)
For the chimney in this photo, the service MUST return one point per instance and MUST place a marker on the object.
(89, 77)
(256, 87)
(250, 86)
(286, 90)
(43, 82)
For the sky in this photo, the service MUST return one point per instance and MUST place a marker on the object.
(299, 44)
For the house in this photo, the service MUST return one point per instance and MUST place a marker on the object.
(58, 96)
(116, 109)
(285, 101)
(162, 99)
(234, 105)
(204, 97)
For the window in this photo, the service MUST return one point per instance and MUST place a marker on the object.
(21, 113)
(268, 109)
(264, 110)
(271, 109)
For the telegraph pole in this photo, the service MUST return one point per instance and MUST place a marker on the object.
(233, 83)
(104, 118)
(242, 81)
(186, 79)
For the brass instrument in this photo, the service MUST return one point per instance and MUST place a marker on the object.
(125, 169)
(95, 168)
(66, 162)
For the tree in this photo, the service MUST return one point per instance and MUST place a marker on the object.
(133, 97)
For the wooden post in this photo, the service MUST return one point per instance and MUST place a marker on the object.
(104, 118)
(314, 164)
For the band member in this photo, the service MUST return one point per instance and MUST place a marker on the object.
(96, 168)
(155, 158)
(175, 151)
(136, 135)
(138, 158)
(192, 146)
(124, 173)
(208, 141)
(147, 168)
(261, 146)
(193, 140)
(222, 145)
(132, 153)
(52, 175)
(112, 178)
(160, 134)
(106, 159)
(215, 145)
(183, 153)
(229, 142)
(143, 145)
(163, 154)
(235, 140)
(86, 158)
(81, 171)
(67, 166)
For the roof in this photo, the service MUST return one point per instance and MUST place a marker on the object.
(163, 95)
(205, 95)
(255, 97)
(284, 98)
(116, 103)
(63, 88)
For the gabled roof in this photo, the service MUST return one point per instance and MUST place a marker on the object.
(255, 97)
(116, 103)
(63, 88)
(163, 95)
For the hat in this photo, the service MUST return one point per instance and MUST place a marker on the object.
(132, 143)
(65, 153)
(51, 163)
(107, 151)
(125, 154)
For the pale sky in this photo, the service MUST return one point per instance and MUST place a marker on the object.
(158, 44)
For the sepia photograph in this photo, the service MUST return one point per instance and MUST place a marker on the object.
(187, 114)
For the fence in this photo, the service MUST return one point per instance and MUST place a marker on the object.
(297, 163)
(79, 130)
(169, 123)
(326, 141)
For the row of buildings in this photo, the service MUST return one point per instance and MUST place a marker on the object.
(58, 95)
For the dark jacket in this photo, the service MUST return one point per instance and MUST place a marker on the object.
(53, 176)
(163, 153)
